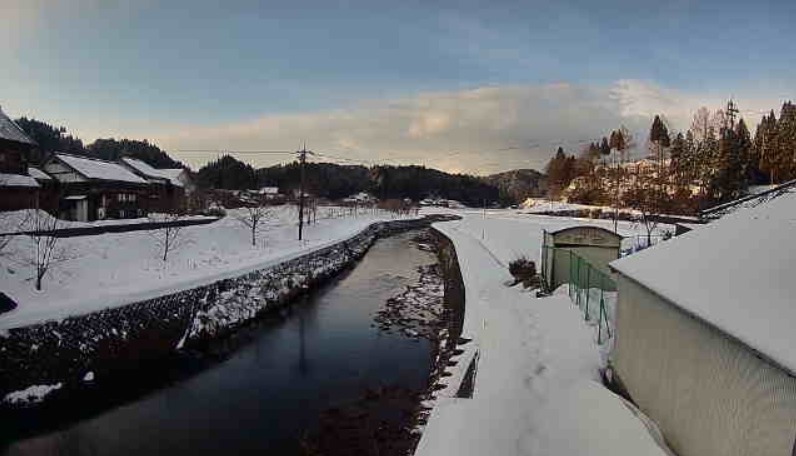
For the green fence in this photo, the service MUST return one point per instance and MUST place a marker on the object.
(592, 290)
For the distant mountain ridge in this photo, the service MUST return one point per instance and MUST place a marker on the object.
(328, 180)
(55, 139)
(518, 184)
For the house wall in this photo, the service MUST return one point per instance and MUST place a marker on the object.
(710, 394)
(62, 173)
(16, 198)
(13, 157)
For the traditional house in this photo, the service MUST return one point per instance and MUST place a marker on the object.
(705, 342)
(96, 189)
(19, 189)
(166, 190)
(49, 190)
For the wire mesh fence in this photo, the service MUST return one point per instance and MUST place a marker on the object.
(589, 288)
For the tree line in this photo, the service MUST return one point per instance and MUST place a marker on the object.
(51, 139)
(715, 160)
(333, 181)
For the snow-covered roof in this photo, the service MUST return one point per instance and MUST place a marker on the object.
(93, 168)
(269, 191)
(9, 130)
(736, 274)
(38, 174)
(17, 180)
(153, 173)
(748, 201)
(173, 174)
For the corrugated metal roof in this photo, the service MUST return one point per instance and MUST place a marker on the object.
(148, 171)
(10, 131)
(93, 168)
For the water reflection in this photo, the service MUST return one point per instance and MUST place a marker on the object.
(262, 398)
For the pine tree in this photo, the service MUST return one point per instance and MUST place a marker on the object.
(764, 144)
(743, 142)
(679, 156)
(785, 141)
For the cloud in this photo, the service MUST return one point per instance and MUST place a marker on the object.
(481, 130)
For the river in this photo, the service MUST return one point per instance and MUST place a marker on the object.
(266, 394)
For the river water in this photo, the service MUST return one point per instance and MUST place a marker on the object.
(323, 352)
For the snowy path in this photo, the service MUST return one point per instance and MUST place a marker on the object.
(536, 390)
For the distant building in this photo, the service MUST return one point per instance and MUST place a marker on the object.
(18, 190)
(705, 342)
(166, 191)
(361, 198)
(95, 189)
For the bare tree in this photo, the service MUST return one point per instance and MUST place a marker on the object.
(46, 253)
(254, 217)
(168, 234)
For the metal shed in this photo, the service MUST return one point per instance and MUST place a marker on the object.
(597, 245)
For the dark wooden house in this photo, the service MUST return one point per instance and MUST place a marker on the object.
(93, 189)
(166, 191)
(18, 190)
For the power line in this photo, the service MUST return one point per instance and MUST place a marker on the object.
(240, 152)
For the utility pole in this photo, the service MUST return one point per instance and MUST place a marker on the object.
(732, 110)
(302, 160)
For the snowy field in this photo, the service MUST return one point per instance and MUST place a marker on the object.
(20, 221)
(108, 270)
(537, 388)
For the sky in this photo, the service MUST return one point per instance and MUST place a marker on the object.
(465, 86)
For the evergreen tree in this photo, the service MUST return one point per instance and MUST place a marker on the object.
(764, 146)
(679, 158)
(743, 142)
(785, 141)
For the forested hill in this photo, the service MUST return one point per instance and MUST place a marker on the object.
(56, 139)
(323, 179)
(518, 184)
(334, 181)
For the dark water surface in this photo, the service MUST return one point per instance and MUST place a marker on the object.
(265, 395)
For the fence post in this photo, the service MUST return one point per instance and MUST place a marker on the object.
(600, 317)
(588, 289)
(578, 282)
(571, 278)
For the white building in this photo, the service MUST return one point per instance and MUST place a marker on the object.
(705, 340)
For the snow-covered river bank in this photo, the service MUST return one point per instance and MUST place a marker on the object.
(284, 373)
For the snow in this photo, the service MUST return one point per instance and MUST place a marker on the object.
(735, 273)
(17, 180)
(146, 170)
(11, 131)
(21, 220)
(537, 360)
(31, 394)
(114, 269)
(38, 174)
(100, 169)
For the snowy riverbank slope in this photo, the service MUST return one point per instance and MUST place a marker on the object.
(536, 389)
(114, 269)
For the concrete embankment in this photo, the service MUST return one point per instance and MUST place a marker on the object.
(105, 343)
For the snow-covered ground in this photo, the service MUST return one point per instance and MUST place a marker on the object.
(114, 269)
(536, 389)
(21, 221)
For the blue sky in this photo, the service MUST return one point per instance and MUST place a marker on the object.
(395, 80)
